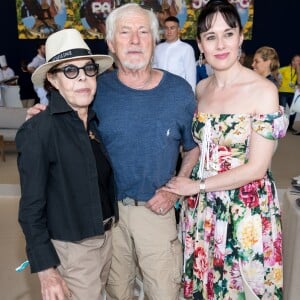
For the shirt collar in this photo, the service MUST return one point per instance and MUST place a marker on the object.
(58, 105)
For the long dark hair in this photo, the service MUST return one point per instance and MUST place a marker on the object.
(226, 9)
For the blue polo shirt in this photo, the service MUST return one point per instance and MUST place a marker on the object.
(142, 131)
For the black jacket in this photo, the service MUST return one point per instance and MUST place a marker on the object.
(60, 196)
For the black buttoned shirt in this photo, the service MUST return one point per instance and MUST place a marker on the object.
(66, 192)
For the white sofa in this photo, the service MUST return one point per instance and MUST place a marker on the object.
(11, 118)
(10, 96)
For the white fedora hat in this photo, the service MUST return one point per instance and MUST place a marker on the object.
(64, 45)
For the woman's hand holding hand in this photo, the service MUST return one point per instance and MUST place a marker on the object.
(182, 186)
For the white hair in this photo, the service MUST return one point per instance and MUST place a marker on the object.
(130, 9)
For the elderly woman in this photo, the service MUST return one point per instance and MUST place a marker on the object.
(67, 205)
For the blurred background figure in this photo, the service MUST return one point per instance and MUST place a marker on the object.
(174, 55)
(28, 95)
(6, 72)
(242, 57)
(7, 80)
(266, 63)
(37, 61)
(245, 59)
(203, 69)
(289, 77)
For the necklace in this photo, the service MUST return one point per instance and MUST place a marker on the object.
(144, 85)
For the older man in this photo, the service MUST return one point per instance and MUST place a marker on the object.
(145, 115)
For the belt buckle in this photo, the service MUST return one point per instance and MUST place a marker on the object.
(108, 224)
(129, 201)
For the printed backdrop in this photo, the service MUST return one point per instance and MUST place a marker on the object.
(38, 18)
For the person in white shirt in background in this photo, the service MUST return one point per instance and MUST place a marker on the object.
(174, 55)
(6, 72)
(37, 61)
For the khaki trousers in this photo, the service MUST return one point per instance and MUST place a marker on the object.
(146, 242)
(85, 265)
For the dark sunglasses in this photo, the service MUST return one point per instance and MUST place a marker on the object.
(72, 71)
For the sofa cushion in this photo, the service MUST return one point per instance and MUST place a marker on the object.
(12, 117)
(9, 135)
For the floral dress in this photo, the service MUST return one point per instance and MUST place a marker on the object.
(237, 232)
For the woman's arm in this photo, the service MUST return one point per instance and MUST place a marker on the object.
(260, 155)
(33, 165)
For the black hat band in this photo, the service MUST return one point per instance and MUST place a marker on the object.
(70, 54)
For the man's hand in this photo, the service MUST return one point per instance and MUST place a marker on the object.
(34, 110)
(162, 202)
(53, 287)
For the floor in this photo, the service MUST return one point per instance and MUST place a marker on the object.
(13, 285)
(24, 286)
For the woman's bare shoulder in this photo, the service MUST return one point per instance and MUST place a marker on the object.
(261, 92)
(203, 85)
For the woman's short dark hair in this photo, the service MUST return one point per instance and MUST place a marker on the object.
(226, 9)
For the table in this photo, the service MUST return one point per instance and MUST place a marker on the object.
(291, 246)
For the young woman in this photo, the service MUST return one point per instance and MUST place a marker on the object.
(232, 223)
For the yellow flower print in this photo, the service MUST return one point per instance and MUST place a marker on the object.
(202, 117)
(249, 231)
(236, 211)
(278, 276)
(275, 276)
(264, 204)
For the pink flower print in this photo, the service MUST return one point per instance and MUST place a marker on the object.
(191, 201)
(224, 157)
(210, 285)
(188, 288)
(248, 194)
(278, 248)
(200, 263)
